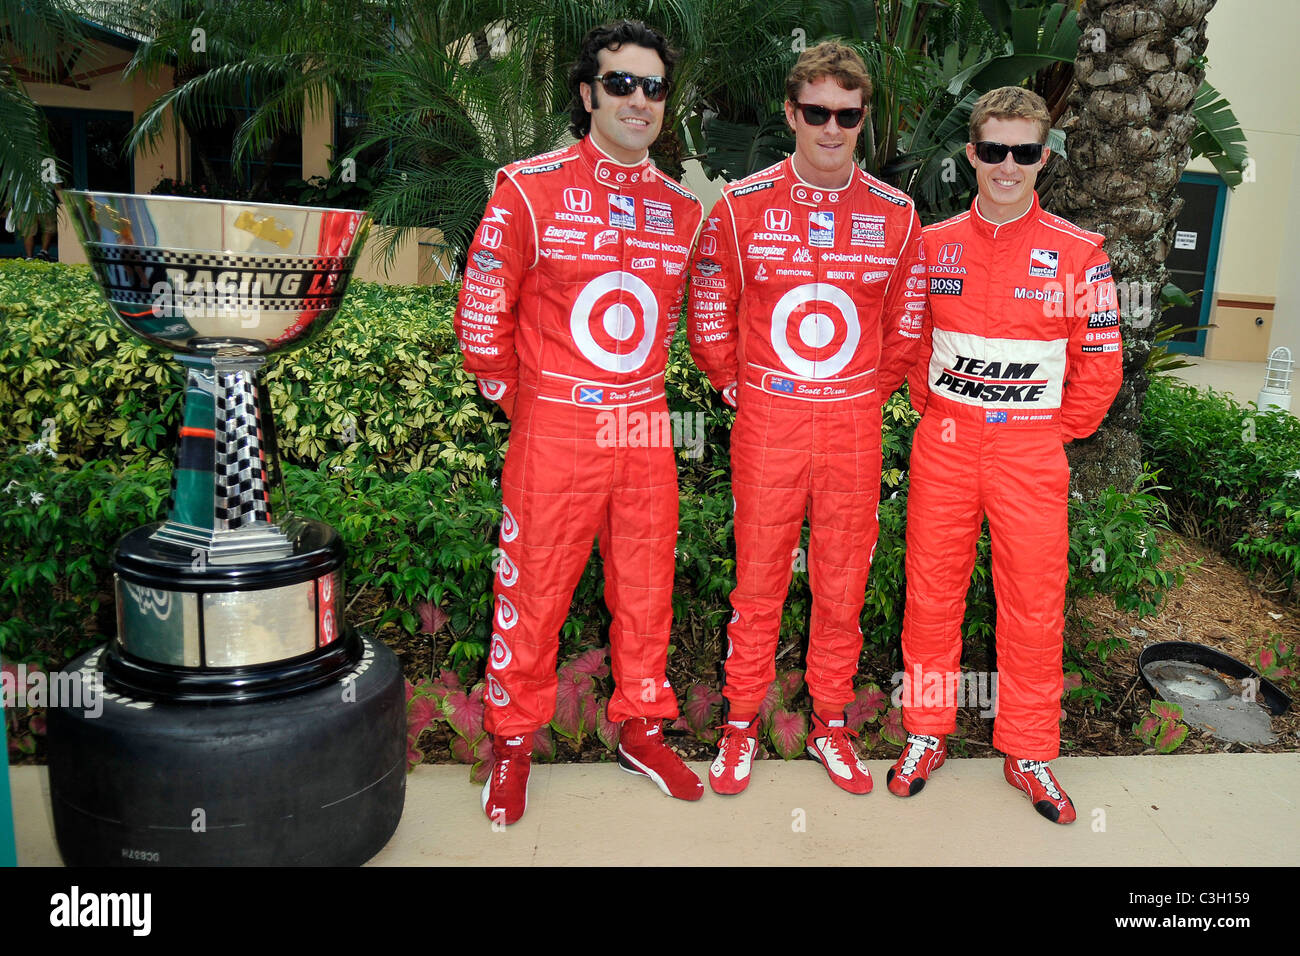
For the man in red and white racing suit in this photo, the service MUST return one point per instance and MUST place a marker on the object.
(1020, 353)
(806, 299)
(572, 293)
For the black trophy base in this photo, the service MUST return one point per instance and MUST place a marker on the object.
(313, 778)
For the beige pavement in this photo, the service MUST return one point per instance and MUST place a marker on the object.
(1242, 380)
(1220, 809)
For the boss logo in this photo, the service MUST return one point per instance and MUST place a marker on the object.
(940, 286)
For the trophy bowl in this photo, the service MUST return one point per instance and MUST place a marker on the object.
(211, 277)
(243, 721)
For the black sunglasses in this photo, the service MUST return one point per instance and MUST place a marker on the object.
(1025, 154)
(625, 84)
(818, 115)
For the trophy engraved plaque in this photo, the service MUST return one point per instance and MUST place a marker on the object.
(229, 616)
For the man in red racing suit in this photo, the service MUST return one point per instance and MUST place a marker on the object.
(572, 293)
(805, 307)
(1020, 353)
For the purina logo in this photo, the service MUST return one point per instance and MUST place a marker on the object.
(777, 220)
(490, 236)
(1042, 263)
(949, 254)
(577, 200)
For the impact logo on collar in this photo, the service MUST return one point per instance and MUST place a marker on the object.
(746, 190)
(1043, 262)
(622, 211)
(821, 229)
(887, 196)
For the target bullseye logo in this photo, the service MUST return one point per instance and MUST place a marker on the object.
(808, 320)
(507, 571)
(615, 304)
(496, 693)
(507, 616)
(509, 527)
(499, 655)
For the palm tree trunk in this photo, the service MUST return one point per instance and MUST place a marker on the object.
(1137, 70)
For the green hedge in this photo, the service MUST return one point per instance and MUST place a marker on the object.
(414, 497)
(1234, 475)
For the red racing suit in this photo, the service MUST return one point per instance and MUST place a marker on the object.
(805, 312)
(1020, 353)
(572, 293)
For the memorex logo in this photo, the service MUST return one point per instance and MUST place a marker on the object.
(77, 909)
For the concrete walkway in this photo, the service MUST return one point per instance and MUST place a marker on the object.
(1242, 380)
(1211, 810)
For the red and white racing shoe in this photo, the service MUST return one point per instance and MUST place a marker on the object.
(729, 772)
(829, 743)
(641, 749)
(505, 795)
(922, 755)
(1035, 778)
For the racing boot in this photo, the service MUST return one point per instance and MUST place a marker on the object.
(829, 743)
(922, 756)
(1035, 778)
(729, 773)
(641, 749)
(505, 795)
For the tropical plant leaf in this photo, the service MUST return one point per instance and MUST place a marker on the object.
(464, 711)
(1166, 711)
(771, 701)
(1218, 137)
(571, 689)
(791, 682)
(867, 705)
(700, 710)
(1145, 729)
(1170, 736)
(891, 728)
(607, 730)
(432, 617)
(544, 743)
(591, 661)
(788, 732)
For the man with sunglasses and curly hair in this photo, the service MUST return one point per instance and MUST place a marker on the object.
(571, 296)
(806, 294)
(1020, 354)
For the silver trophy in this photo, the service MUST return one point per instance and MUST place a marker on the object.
(233, 684)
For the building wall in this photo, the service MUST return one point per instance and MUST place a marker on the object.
(1259, 253)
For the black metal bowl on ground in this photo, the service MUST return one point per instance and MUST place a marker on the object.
(1184, 652)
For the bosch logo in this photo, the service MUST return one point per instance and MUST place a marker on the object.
(577, 200)
(777, 220)
(490, 236)
(949, 254)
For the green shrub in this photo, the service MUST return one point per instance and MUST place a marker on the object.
(1234, 476)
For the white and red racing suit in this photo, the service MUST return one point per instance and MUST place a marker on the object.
(805, 312)
(1020, 353)
(572, 293)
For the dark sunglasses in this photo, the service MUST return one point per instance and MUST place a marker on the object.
(1025, 154)
(818, 115)
(625, 84)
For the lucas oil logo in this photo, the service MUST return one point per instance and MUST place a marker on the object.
(821, 229)
(1042, 263)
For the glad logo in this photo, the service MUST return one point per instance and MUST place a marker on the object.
(777, 220)
(643, 263)
(577, 200)
(708, 245)
(507, 616)
(496, 694)
(949, 254)
(490, 236)
(499, 653)
(509, 527)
